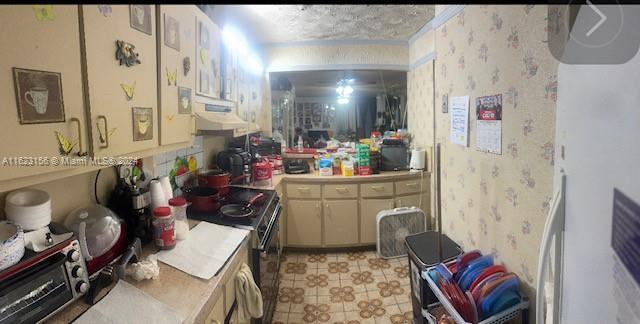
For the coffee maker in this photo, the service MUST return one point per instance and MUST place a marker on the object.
(237, 162)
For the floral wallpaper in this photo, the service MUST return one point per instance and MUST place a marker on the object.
(496, 203)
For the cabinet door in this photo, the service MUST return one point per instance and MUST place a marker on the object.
(413, 201)
(340, 222)
(207, 37)
(115, 131)
(51, 45)
(369, 209)
(304, 222)
(217, 314)
(177, 99)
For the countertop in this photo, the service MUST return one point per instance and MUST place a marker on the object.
(191, 297)
(315, 176)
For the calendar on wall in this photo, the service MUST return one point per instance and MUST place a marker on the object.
(489, 124)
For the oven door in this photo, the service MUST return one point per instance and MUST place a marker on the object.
(266, 266)
(35, 293)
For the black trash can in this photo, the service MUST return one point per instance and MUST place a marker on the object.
(422, 250)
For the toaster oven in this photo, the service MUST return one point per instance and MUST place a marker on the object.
(42, 283)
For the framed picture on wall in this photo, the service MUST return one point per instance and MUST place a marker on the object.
(203, 35)
(140, 17)
(38, 96)
(142, 123)
(171, 32)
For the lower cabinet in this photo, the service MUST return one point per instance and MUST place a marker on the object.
(369, 209)
(217, 314)
(304, 222)
(340, 222)
(412, 201)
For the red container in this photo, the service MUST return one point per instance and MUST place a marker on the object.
(364, 170)
(262, 172)
(203, 199)
(164, 228)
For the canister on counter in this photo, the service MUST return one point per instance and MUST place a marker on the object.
(164, 229)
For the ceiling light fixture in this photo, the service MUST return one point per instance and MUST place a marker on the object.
(344, 88)
(343, 100)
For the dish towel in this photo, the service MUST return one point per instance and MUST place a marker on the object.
(248, 295)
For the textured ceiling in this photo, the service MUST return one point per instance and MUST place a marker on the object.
(323, 83)
(289, 23)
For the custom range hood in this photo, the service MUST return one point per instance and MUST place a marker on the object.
(215, 114)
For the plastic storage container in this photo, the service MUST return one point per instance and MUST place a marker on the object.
(179, 212)
(164, 233)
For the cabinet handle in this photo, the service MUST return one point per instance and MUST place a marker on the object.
(104, 137)
(412, 184)
(215, 321)
(341, 189)
(377, 188)
(391, 205)
(81, 152)
(328, 210)
(194, 131)
(303, 189)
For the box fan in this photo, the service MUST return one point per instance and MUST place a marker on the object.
(393, 226)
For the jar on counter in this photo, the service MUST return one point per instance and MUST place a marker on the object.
(179, 212)
(164, 234)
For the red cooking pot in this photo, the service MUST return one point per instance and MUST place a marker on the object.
(202, 199)
(217, 179)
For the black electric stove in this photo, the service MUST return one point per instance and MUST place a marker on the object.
(260, 220)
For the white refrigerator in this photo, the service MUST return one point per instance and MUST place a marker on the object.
(589, 265)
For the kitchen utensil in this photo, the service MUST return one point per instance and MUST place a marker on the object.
(28, 208)
(218, 179)
(239, 210)
(11, 244)
(245, 196)
(203, 199)
(101, 233)
(505, 293)
(467, 257)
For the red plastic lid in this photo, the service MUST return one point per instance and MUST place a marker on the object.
(162, 211)
(177, 201)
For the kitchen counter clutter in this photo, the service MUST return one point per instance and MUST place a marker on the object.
(195, 300)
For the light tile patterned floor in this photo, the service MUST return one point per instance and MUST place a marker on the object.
(346, 288)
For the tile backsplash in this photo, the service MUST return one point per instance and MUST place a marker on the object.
(165, 163)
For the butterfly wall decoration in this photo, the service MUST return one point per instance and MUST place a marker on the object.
(129, 90)
(105, 10)
(102, 137)
(65, 145)
(172, 76)
(44, 12)
(169, 118)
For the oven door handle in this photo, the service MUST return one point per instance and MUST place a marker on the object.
(275, 217)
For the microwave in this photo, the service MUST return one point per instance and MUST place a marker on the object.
(42, 283)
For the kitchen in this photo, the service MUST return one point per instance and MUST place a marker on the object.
(319, 163)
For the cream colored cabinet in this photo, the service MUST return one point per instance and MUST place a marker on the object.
(340, 222)
(207, 38)
(123, 100)
(369, 209)
(413, 201)
(304, 222)
(217, 314)
(41, 84)
(175, 50)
